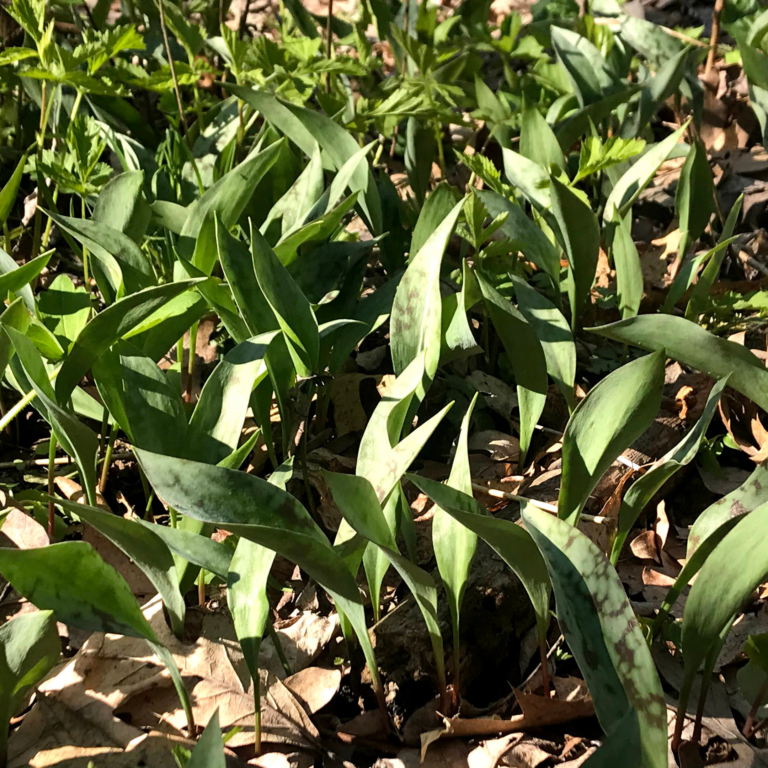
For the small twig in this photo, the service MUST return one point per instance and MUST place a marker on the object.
(615, 23)
(715, 36)
(546, 506)
(61, 461)
(172, 67)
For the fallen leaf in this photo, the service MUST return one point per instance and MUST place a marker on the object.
(498, 395)
(646, 546)
(500, 446)
(314, 687)
(23, 530)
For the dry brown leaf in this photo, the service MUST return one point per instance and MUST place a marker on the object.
(304, 637)
(661, 526)
(24, 531)
(314, 687)
(114, 674)
(500, 446)
(345, 395)
(646, 546)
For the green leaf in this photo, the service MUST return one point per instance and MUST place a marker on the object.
(537, 141)
(620, 747)
(436, 209)
(728, 577)
(603, 633)
(569, 130)
(254, 509)
(229, 196)
(580, 237)
(584, 64)
(109, 326)
(141, 399)
(307, 128)
(209, 750)
(360, 507)
(19, 278)
(530, 178)
(595, 156)
(217, 422)
(65, 309)
(554, 334)
(510, 541)
(75, 437)
(299, 200)
(121, 205)
(29, 649)
(526, 356)
(455, 544)
(147, 550)
(639, 175)
(11, 189)
(415, 325)
(419, 151)
(709, 529)
(524, 234)
(709, 274)
(693, 346)
(107, 244)
(291, 308)
(199, 550)
(695, 196)
(457, 339)
(8, 265)
(629, 273)
(645, 488)
(609, 419)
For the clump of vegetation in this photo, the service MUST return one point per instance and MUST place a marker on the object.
(274, 294)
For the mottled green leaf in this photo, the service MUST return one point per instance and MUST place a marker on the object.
(510, 541)
(609, 419)
(645, 488)
(526, 356)
(537, 141)
(692, 345)
(603, 633)
(121, 205)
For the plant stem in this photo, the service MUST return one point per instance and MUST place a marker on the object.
(712, 55)
(180, 360)
(172, 67)
(272, 632)
(191, 361)
(107, 458)
(201, 588)
(329, 44)
(257, 714)
(747, 731)
(17, 409)
(40, 144)
(544, 664)
(86, 270)
(51, 488)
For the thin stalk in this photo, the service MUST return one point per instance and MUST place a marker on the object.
(3, 409)
(180, 360)
(257, 713)
(51, 487)
(107, 459)
(59, 462)
(329, 43)
(103, 432)
(172, 67)
(303, 455)
(456, 669)
(49, 223)
(17, 409)
(544, 665)
(191, 361)
(272, 632)
(199, 107)
(748, 730)
(713, 40)
(86, 270)
(201, 588)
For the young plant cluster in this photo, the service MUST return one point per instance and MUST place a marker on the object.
(167, 169)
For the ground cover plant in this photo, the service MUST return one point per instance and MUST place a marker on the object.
(383, 384)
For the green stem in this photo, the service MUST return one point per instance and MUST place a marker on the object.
(257, 714)
(17, 409)
(107, 458)
(86, 269)
(272, 632)
(191, 361)
(201, 587)
(51, 479)
(180, 360)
